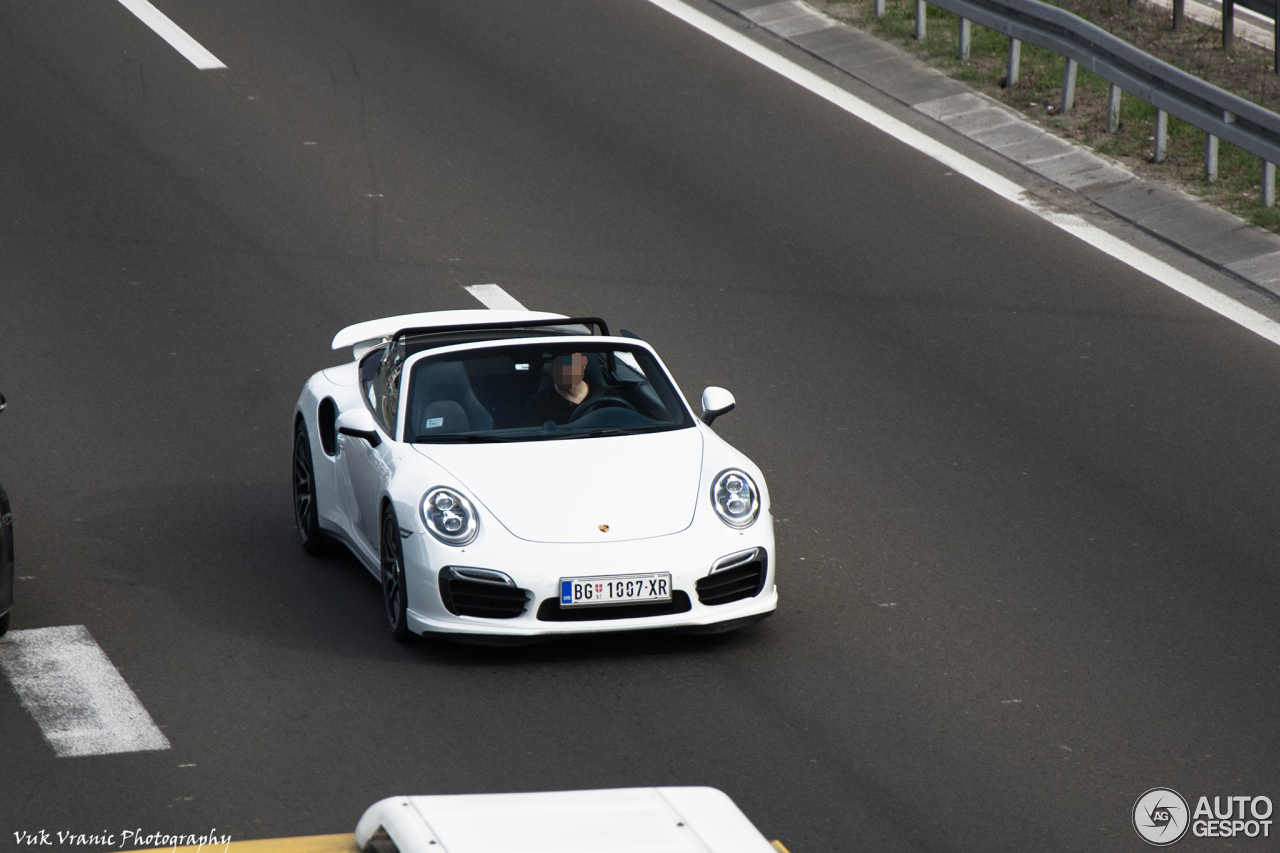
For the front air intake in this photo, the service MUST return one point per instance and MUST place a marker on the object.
(551, 611)
(734, 578)
(481, 592)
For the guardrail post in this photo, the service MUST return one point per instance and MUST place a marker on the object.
(966, 33)
(1179, 10)
(1228, 24)
(1162, 135)
(1113, 108)
(1015, 57)
(1068, 86)
(879, 8)
(1268, 184)
(1211, 151)
(919, 20)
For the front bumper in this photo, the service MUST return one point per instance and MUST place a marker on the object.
(698, 617)
(538, 567)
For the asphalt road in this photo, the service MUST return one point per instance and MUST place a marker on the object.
(1027, 496)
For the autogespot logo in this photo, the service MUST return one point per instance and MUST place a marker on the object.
(1160, 816)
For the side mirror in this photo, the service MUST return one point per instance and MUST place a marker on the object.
(2, 403)
(358, 423)
(716, 402)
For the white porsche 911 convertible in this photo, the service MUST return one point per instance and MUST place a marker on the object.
(509, 475)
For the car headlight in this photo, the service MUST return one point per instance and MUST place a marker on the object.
(736, 498)
(450, 517)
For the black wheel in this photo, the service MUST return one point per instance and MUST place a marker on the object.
(395, 597)
(305, 512)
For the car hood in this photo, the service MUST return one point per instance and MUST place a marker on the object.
(567, 490)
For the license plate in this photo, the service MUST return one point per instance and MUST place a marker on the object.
(628, 589)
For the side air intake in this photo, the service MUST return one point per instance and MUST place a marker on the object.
(481, 592)
(734, 577)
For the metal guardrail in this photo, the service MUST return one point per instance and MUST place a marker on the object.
(1172, 91)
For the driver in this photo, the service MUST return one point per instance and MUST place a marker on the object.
(568, 391)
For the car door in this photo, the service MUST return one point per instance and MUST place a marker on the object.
(363, 470)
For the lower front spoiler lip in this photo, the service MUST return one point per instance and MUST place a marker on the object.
(696, 621)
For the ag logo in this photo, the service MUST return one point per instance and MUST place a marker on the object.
(1160, 816)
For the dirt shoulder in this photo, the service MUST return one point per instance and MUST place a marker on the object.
(1246, 70)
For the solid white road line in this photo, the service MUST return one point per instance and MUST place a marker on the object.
(1076, 226)
(173, 34)
(494, 297)
(76, 695)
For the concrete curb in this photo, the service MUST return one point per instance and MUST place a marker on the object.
(1201, 230)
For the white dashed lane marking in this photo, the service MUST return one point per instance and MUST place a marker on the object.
(173, 34)
(494, 298)
(76, 695)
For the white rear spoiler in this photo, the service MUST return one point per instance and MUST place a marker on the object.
(364, 336)
(678, 820)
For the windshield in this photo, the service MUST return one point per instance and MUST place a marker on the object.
(548, 390)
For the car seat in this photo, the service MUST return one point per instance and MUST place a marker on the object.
(442, 417)
(446, 381)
